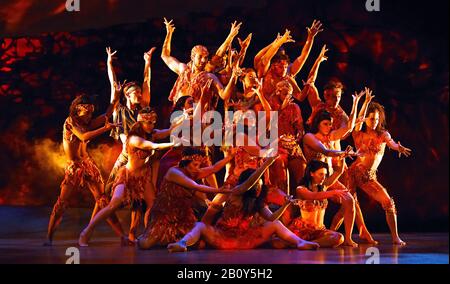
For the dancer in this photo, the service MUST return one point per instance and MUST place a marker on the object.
(246, 222)
(81, 171)
(193, 80)
(313, 195)
(290, 131)
(133, 182)
(332, 95)
(371, 142)
(318, 145)
(273, 64)
(172, 215)
(136, 98)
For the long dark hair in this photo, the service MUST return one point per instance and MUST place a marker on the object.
(82, 99)
(373, 107)
(318, 118)
(252, 203)
(313, 166)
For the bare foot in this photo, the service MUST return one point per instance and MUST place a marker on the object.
(132, 238)
(366, 238)
(350, 243)
(398, 241)
(177, 247)
(83, 239)
(305, 245)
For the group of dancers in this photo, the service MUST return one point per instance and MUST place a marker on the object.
(278, 199)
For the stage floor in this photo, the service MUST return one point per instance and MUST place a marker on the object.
(22, 233)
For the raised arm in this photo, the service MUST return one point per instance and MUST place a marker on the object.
(244, 46)
(225, 93)
(336, 173)
(250, 182)
(339, 133)
(310, 88)
(233, 33)
(262, 63)
(177, 176)
(146, 90)
(262, 98)
(396, 146)
(111, 74)
(363, 112)
(173, 63)
(297, 93)
(298, 63)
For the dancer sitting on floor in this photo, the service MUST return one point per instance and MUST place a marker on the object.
(246, 222)
(313, 195)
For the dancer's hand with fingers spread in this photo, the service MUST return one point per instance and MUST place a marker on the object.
(403, 150)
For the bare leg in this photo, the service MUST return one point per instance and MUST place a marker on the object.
(102, 201)
(146, 241)
(330, 239)
(285, 234)
(364, 233)
(348, 205)
(134, 224)
(58, 212)
(376, 191)
(103, 214)
(189, 239)
(149, 196)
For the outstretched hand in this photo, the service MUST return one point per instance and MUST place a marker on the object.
(286, 37)
(170, 27)
(358, 96)
(148, 54)
(403, 150)
(235, 28)
(110, 54)
(322, 55)
(369, 96)
(315, 28)
(246, 42)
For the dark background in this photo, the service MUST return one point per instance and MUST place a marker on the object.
(48, 55)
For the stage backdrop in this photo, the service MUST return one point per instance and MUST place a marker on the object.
(49, 55)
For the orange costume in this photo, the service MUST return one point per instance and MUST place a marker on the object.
(304, 229)
(135, 181)
(236, 231)
(172, 214)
